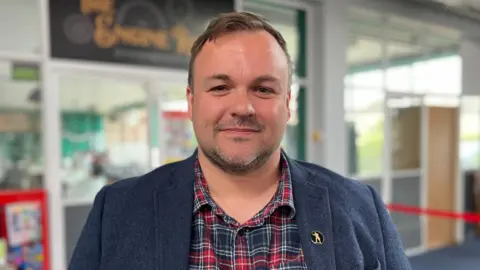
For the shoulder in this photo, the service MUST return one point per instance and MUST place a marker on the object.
(345, 194)
(353, 204)
(337, 184)
(143, 185)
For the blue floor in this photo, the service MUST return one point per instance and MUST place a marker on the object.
(462, 257)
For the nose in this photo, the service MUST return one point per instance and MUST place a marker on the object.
(242, 104)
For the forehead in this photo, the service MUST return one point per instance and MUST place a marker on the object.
(242, 55)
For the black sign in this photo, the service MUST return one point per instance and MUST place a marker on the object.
(144, 32)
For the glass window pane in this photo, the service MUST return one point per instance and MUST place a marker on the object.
(405, 132)
(364, 117)
(180, 140)
(420, 77)
(438, 76)
(291, 137)
(399, 79)
(21, 157)
(470, 133)
(368, 80)
(102, 119)
(20, 27)
(347, 81)
(365, 140)
(446, 75)
(363, 101)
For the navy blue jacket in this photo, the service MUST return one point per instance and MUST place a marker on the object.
(145, 223)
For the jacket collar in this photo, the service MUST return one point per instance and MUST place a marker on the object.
(174, 207)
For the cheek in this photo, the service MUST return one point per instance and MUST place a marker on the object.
(277, 114)
(206, 112)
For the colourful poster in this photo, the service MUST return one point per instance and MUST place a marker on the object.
(23, 222)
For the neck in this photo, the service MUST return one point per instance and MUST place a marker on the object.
(252, 185)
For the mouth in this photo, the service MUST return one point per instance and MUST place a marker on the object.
(240, 131)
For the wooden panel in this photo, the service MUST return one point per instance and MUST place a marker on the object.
(442, 173)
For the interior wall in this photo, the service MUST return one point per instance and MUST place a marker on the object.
(442, 173)
(470, 53)
(21, 24)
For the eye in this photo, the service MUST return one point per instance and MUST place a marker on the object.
(264, 90)
(219, 88)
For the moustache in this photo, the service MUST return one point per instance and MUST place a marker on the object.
(240, 122)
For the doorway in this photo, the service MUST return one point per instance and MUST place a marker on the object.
(104, 132)
(422, 171)
(113, 126)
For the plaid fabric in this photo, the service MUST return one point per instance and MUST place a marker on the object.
(269, 240)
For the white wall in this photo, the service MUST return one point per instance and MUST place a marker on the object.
(325, 101)
(470, 53)
(20, 27)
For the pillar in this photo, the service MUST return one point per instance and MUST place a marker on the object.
(327, 49)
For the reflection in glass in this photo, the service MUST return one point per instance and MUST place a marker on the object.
(177, 134)
(405, 132)
(21, 157)
(365, 133)
(470, 132)
(365, 121)
(104, 133)
(291, 137)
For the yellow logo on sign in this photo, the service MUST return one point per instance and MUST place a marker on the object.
(109, 34)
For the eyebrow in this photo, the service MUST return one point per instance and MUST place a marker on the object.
(265, 78)
(257, 80)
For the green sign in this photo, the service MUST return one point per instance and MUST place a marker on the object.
(25, 72)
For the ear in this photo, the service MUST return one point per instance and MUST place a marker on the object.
(190, 102)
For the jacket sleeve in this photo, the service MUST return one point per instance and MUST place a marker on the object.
(395, 257)
(87, 252)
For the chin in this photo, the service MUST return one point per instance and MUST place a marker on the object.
(240, 154)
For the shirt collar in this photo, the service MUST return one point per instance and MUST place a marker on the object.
(283, 196)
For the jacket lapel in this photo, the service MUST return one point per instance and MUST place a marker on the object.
(174, 207)
(173, 217)
(313, 215)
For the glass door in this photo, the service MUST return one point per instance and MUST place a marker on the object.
(104, 133)
(103, 139)
(405, 116)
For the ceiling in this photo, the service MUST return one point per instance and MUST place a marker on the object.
(367, 29)
(403, 37)
(472, 5)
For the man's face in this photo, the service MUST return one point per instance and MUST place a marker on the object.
(239, 104)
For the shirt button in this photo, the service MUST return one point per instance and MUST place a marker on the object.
(241, 232)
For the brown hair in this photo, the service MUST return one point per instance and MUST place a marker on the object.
(230, 23)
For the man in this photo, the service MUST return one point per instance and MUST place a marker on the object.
(239, 202)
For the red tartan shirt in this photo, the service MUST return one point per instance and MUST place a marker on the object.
(269, 240)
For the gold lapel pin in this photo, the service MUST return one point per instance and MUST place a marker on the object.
(317, 237)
